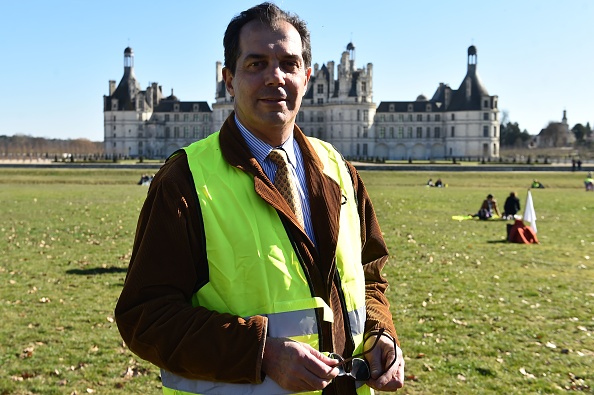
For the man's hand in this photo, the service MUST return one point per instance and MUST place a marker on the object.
(297, 366)
(382, 378)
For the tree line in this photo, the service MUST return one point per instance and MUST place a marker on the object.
(513, 137)
(20, 146)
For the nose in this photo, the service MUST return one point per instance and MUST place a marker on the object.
(275, 75)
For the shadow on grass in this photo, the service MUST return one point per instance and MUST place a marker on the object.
(97, 270)
(497, 241)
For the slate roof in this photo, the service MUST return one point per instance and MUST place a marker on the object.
(460, 102)
(126, 92)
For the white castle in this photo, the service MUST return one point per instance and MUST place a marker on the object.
(338, 107)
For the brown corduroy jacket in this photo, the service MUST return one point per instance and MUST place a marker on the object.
(154, 313)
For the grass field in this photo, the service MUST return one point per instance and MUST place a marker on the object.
(475, 314)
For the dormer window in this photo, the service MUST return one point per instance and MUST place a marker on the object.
(410, 108)
(391, 107)
(176, 107)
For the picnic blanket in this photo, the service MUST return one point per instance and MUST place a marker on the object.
(467, 217)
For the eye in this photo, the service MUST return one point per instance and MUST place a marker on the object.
(255, 65)
(290, 66)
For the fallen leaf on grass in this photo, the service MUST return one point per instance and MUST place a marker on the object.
(526, 374)
(458, 322)
(461, 377)
(27, 353)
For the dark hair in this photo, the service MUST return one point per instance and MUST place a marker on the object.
(489, 196)
(270, 15)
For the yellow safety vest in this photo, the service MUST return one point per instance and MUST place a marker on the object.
(247, 244)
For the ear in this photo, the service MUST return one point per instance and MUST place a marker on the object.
(228, 78)
(307, 76)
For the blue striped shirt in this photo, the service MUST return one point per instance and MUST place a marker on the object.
(260, 150)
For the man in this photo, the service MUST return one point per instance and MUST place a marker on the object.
(230, 288)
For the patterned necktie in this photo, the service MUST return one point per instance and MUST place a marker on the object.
(285, 183)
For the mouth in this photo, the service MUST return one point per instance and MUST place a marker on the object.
(274, 99)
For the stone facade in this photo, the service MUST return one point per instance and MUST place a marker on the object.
(338, 107)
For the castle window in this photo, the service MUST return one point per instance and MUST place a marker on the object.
(453, 131)
(485, 131)
(166, 117)
(428, 133)
(428, 117)
(486, 103)
(320, 100)
(176, 132)
(365, 115)
(320, 88)
(410, 108)
(400, 132)
(363, 87)
(176, 117)
(176, 107)
(436, 132)
(401, 117)
(428, 107)
(410, 132)
(382, 132)
(410, 117)
(392, 132)
(420, 117)
(196, 117)
(391, 107)
(453, 117)
(419, 133)
(186, 117)
(485, 116)
(494, 131)
(437, 117)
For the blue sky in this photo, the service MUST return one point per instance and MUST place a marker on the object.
(58, 56)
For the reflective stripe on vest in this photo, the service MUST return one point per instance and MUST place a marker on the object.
(247, 244)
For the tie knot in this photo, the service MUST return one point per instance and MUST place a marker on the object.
(278, 156)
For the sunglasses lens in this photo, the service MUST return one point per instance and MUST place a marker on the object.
(360, 370)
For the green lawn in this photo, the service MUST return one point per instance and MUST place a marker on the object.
(475, 314)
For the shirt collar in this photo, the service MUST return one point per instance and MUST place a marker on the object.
(260, 149)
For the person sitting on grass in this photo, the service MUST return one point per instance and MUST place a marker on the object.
(536, 184)
(511, 206)
(589, 182)
(488, 208)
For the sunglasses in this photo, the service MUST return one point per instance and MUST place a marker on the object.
(357, 367)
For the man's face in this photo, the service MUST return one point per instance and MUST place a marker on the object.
(270, 80)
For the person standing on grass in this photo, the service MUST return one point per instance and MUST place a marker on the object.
(237, 287)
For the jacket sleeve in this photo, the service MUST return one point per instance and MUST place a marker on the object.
(374, 256)
(154, 312)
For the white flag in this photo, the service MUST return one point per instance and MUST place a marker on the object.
(529, 214)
